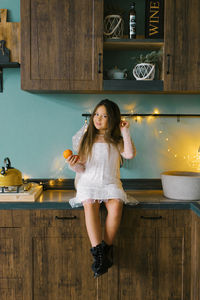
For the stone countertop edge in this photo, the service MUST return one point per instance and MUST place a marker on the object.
(194, 206)
(65, 205)
(148, 199)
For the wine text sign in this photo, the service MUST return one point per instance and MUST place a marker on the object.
(154, 19)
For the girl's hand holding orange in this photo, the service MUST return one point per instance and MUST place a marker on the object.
(71, 159)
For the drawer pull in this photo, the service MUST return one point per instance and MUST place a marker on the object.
(66, 218)
(168, 63)
(151, 218)
(99, 63)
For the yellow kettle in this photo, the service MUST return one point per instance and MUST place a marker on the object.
(10, 176)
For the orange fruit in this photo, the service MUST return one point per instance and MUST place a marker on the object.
(67, 153)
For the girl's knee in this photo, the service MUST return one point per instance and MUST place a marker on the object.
(91, 206)
(114, 206)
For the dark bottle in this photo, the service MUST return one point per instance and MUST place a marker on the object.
(132, 22)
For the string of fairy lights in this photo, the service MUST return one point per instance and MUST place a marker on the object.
(192, 158)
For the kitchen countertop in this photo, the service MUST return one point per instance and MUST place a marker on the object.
(148, 199)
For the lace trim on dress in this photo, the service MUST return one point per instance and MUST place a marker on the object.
(100, 200)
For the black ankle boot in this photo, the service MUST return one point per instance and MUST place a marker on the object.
(108, 249)
(100, 265)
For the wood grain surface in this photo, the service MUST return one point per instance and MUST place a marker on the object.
(10, 32)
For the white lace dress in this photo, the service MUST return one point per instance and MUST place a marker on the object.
(101, 178)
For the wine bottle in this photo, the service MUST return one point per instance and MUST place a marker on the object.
(132, 22)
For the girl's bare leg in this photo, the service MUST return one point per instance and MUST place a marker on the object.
(113, 219)
(92, 221)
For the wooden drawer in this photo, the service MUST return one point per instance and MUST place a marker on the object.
(152, 218)
(133, 219)
(66, 221)
(14, 218)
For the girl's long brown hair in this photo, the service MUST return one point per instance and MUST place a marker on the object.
(112, 135)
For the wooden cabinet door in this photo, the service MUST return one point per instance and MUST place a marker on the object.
(171, 264)
(61, 45)
(195, 257)
(173, 255)
(13, 264)
(136, 256)
(14, 255)
(153, 256)
(182, 46)
(137, 268)
(61, 258)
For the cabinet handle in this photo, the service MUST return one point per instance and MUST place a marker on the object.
(66, 218)
(168, 63)
(151, 218)
(99, 63)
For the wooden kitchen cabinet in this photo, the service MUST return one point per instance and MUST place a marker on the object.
(195, 256)
(14, 256)
(182, 46)
(61, 45)
(61, 257)
(152, 256)
(44, 254)
(62, 48)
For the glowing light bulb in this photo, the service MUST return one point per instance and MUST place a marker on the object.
(26, 176)
(156, 111)
(139, 119)
(51, 182)
(167, 139)
(160, 131)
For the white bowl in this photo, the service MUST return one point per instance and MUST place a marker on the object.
(181, 185)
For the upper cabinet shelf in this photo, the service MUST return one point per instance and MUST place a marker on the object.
(137, 44)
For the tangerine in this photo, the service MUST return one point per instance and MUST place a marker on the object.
(67, 153)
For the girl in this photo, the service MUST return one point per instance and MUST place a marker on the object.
(98, 178)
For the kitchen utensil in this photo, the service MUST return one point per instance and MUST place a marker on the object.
(116, 73)
(30, 195)
(10, 32)
(10, 176)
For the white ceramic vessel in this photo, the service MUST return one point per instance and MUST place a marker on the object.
(181, 185)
